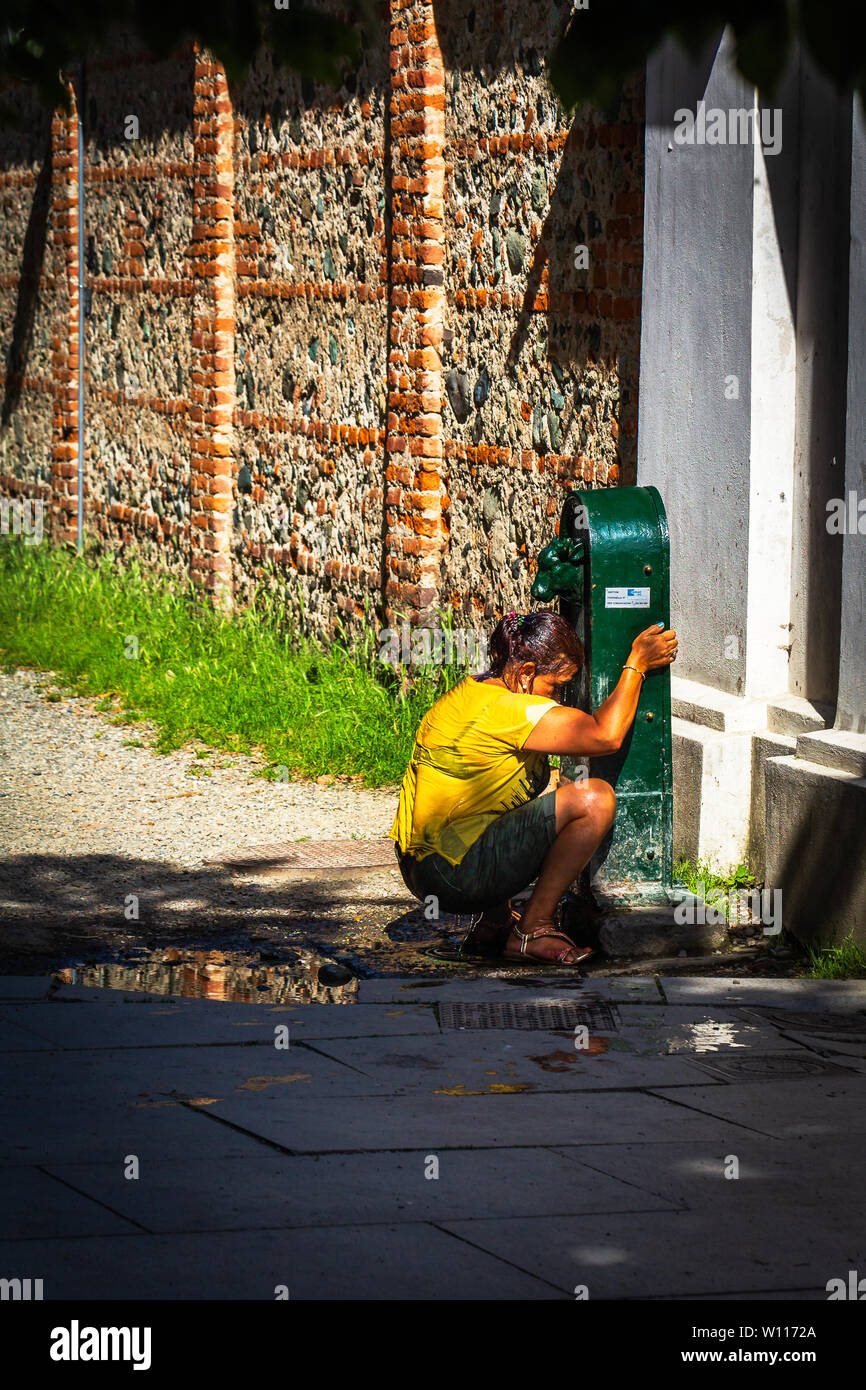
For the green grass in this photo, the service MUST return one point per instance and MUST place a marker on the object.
(716, 887)
(843, 962)
(245, 683)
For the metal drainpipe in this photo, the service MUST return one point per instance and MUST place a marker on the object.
(80, 113)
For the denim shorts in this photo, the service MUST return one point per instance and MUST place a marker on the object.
(502, 861)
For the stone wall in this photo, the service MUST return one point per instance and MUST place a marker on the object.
(541, 357)
(138, 229)
(30, 304)
(340, 342)
(310, 346)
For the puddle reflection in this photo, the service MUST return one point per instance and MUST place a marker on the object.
(712, 1036)
(227, 976)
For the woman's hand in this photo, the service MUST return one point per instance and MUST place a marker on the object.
(571, 731)
(653, 649)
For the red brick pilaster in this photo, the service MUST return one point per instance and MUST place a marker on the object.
(64, 338)
(212, 452)
(414, 528)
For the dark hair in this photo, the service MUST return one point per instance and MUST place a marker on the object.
(544, 638)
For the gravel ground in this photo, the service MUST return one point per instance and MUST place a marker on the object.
(87, 820)
(70, 784)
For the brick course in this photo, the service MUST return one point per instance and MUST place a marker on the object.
(212, 442)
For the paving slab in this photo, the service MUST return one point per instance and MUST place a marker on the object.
(626, 989)
(115, 1024)
(840, 1048)
(309, 1022)
(479, 1061)
(820, 1105)
(516, 984)
(152, 1073)
(23, 986)
(801, 1179)
(67, 1126)
(398, 989)
(14, 1037)
(807, 1295)
(269, 1189)
(403, 1261)
(34, 1204)
(436, 1121)
(827, 1034)
(857, 1064)
(840, 995)
(684, 1254)
(696, 1030)
(551, 1159)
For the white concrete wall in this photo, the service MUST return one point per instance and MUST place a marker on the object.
(693, 443)
(745, 275)
(745, 268)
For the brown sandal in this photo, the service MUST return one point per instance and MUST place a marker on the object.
(571, 955)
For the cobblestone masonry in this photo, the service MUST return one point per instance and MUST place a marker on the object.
(144, 410)
(346, 340)
(30, 305)
(310, 360)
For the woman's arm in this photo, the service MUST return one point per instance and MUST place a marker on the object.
(579, 734)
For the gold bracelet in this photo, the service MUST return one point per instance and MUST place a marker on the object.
(635, 668)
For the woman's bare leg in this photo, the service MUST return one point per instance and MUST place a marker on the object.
(584, 814)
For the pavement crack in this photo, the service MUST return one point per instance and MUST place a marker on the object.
(328, 1058)
(708, 1114)
(240, 1129)
(89, 1195)
(638, 1187)
(500, 1258)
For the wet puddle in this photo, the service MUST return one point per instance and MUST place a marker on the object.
(274, 974)
(298, 976)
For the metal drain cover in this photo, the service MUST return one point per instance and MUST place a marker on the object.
(776, 1067)
(540, 1014)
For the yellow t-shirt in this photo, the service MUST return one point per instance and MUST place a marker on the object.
(468, 767)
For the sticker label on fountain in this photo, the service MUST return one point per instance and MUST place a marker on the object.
(627, 598)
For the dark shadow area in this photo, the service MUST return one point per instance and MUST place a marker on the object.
(573, 337)
(819, 873)
(693, 79)
(821, 320)
(29, 284)
(60, 910)
(491, 35)
(276, 90)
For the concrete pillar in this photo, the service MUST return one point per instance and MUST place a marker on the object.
(717, 377)
(816, 797)
(736, 416)
(715, 430)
